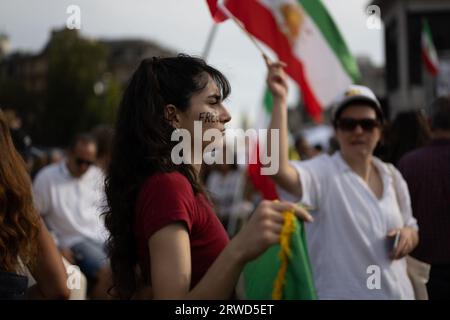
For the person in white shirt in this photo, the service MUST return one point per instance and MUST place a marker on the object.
(360, 202)
(222, 183)
(70, 196)
(226, 184)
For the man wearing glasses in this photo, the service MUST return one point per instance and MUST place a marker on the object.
(69, 195)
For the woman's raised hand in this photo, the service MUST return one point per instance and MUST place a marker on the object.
(277, 79)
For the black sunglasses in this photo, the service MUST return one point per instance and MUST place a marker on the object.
(350, 124)
(80, 162)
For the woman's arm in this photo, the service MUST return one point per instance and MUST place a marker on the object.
(171, 255)
(48, 271)
(287, 176)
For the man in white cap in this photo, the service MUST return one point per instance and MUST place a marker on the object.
(363, 226)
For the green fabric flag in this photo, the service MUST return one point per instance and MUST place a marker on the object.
(260, 274)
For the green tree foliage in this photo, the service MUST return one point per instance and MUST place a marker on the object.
(14, 94)
(76, 66)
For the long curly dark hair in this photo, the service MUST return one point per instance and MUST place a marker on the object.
(19, 221)
(142, 147)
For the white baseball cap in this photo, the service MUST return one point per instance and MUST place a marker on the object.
(357, 93)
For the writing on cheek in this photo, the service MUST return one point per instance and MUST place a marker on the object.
(208, 117)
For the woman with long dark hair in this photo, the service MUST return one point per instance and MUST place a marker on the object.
(163, 232)
(24, 239)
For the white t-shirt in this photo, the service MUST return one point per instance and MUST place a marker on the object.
(347, 241)
(71, 206)
(225, 191)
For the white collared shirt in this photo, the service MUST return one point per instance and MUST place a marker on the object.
(71, 206)
(347, 241)
(225, 191)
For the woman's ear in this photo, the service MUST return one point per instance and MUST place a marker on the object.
(171, 115)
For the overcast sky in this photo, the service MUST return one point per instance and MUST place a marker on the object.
(183, 26)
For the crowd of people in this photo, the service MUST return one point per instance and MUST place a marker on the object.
(138, 226)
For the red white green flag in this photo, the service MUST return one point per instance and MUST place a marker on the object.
(429, 53)
(304, 35)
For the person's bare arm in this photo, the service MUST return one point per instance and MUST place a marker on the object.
(287, 176)
(170, 255)
(48, 270)
(171, 268)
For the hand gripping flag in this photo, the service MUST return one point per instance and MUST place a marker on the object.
(284, 270)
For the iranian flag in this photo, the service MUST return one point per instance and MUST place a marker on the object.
(429, 54)
(303, 35)
(284, 271)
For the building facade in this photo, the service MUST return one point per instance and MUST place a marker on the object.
(408, 84)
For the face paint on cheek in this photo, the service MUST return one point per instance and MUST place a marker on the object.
(208, 117)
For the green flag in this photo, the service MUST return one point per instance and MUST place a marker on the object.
(262, 276)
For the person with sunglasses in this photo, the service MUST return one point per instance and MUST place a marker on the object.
(360, 202)
(70, 197)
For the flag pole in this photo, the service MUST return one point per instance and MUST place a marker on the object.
(209, 41)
